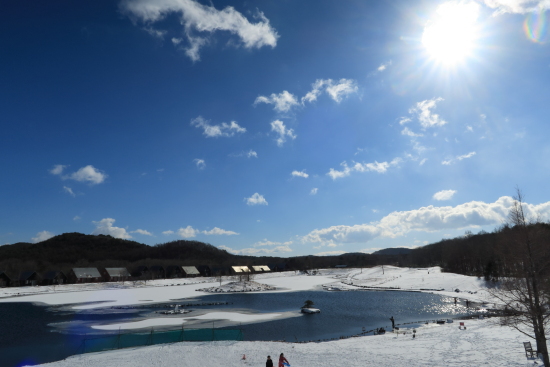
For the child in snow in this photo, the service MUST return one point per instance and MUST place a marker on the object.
(283, 361)
(269, 362)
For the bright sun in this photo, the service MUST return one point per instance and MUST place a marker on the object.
(450, 36)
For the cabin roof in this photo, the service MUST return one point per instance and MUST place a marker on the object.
(86, 273)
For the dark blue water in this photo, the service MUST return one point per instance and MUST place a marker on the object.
(31, 334)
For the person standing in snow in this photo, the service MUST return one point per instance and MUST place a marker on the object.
(269, 362)
(392, 323)
(283, 360)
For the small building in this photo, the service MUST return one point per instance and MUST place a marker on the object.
(261, 268)
(278, 267)
(53, 277)
(27, 278)
(157, 272)
(115, 274)
(84, 275)
(141, 272)
(204, 270)
(221, 271)
(190, 271)
(5, 280)
(174, 271)
(240, 269)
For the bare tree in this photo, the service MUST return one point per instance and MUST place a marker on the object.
(525, 255)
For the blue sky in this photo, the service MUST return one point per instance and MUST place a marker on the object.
(277, 128)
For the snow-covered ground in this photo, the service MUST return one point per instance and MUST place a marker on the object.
(483, 343)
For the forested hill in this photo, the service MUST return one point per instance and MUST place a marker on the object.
(77, 249)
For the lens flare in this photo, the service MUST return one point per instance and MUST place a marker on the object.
(535, 26)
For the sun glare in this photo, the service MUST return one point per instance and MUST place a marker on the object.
(450, 36)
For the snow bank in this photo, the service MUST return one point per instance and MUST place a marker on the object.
(246, 286)
(484, 343)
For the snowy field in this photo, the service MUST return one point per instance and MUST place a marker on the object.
(483, 343)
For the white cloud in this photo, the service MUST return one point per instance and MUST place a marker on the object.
(266, 242)
(342, 89)
(204, 20)
(404, 120)
(218, 232)
(380, 167)
(200, 163)
(279, 128)
(57, 169)
(188, 232)
(408, 132)
(384, 66)
(251, 154)
(314, 191)
(69, 191)
(85, 174)
(423, 111)
(88, 174)
(256, 199)
(444, 195)
(155, 32)
(316, 90)
(214, 131)
(105, 226)
(466, 156)
(142, 232)
(299, 174)
(167, 233)
(426, 219)
(517, 6)
(76, 218)
(282, 102)
(42, 236)
(458, 158)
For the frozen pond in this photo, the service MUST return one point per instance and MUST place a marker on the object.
(38, 334)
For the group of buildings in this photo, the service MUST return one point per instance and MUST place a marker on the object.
(95, 275)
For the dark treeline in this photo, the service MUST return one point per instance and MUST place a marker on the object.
(472, 254)
(70, 250)
(481, 254)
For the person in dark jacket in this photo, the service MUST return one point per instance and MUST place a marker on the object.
(269, 362)
(282, 360)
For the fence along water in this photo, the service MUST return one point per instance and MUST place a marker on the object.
(128, 340)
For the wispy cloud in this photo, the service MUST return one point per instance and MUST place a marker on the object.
(384, 66)
(444, 195)
(200, 163)
(380, 167)
(256, 199)
(458, 158)
(69, 191)
(279, 128)
(199, 22)
(314, 191)
(57, 169)
(219, 232)
(517, 6)
(142, 232)
(42, 236)
(105, 226)
(250, 154)
(214, 131)
(299, 174)
(337, 90)
(168, 233)
(424, 114)
(188, 232)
